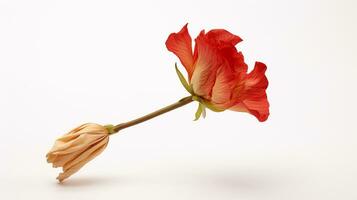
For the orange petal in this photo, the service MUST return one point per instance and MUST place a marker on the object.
(181, 45)
(226, 80)
(251, 95)
(206, 65)
(217, 63)
(223, 36)
(222, 89)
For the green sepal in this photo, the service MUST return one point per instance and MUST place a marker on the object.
(212, 107)
(201, 110)
(110, 128)
(183, 80)
(207, 104)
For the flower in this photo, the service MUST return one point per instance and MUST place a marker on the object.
(76, 148)
(217, 73)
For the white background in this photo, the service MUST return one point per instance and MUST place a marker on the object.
(63, 63)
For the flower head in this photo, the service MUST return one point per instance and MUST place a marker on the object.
(217, 73)
(74, 149)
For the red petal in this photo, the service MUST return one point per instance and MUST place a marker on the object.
(251, 95)
(207, 62)
(222, 89)
(181, 45)
(223, 36)
(235, 59)
(217, 63)
(225, 43)
(227, 75)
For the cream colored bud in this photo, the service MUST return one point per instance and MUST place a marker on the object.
(76, 148)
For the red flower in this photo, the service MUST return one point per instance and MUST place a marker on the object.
(217, 73)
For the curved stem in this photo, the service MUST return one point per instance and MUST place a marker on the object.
(161, 111)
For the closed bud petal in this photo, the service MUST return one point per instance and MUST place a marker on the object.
(76, 148)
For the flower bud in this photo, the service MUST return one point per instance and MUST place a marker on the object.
(76, 148)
